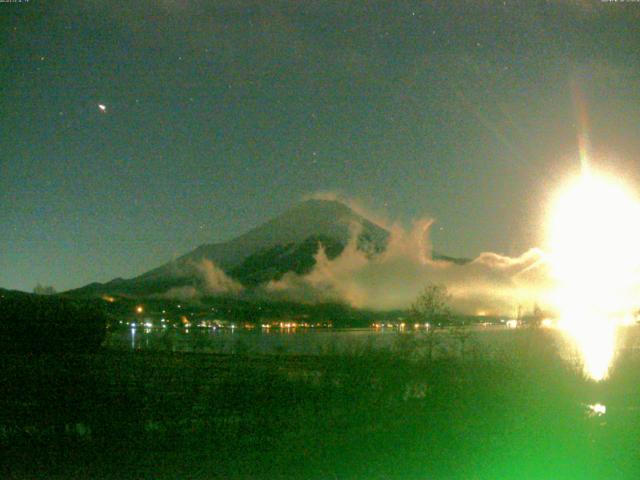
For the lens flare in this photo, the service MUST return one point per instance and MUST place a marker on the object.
(595, 256)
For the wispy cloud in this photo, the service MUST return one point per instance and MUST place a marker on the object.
(492, 283)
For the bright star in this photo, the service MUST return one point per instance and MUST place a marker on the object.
(103, 108)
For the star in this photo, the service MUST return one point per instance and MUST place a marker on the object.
(103, 108)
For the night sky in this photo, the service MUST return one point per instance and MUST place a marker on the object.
(220, 115)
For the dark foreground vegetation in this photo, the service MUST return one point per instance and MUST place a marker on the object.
(48, 323)
(518, 413)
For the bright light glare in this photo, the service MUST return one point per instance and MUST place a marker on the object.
(595, 256)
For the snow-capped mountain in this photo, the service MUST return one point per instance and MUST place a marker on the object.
(285, 243)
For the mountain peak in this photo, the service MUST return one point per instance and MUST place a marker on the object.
(323, 204)
(289, 240)
(286, 243)
(313, 217)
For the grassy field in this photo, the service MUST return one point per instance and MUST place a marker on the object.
(520, 413)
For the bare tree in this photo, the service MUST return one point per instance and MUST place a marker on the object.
(431, 307)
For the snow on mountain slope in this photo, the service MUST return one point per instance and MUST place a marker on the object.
(287, 242)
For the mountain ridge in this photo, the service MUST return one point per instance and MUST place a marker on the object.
(285, 243)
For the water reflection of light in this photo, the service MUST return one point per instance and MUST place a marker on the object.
(596, 340)
(596, 410)
(133, 336)
(594, 235)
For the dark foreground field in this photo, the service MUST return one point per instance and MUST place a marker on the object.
(520, 413)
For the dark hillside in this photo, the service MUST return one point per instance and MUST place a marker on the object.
(36, 323)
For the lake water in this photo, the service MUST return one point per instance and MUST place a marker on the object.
(298, 341)
(302, 341)
(481, 341)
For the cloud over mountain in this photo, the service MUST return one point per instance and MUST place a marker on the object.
(491, 283)
(322, 250)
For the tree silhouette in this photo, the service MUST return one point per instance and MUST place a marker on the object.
(432, 305)
(44, 290)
